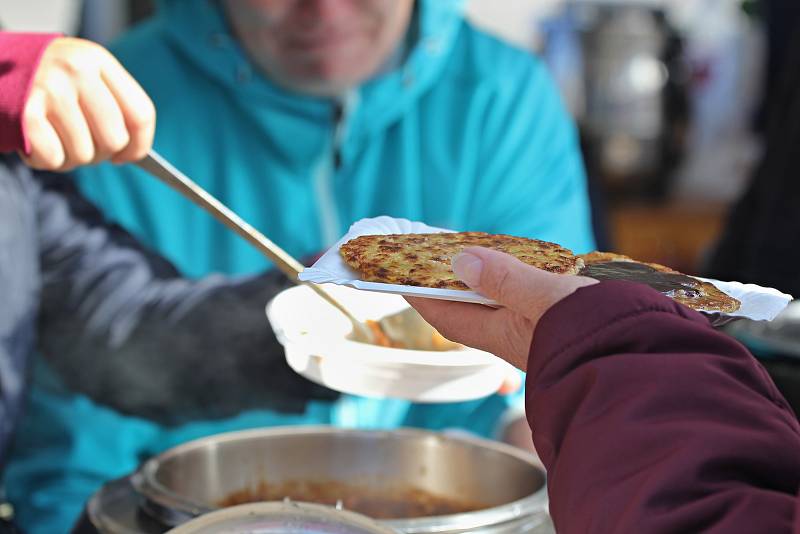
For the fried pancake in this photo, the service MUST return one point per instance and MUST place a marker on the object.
(424, 259)
(689, 291)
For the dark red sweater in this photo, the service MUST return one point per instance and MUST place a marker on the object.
(19, 58)
(649, 420)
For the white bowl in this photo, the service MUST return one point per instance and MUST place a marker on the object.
(314, 335)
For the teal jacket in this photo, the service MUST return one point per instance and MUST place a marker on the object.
(465, 132)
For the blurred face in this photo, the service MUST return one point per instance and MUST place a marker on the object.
(319, 47)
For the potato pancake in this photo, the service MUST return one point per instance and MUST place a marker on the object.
(424, 259)
(689, 291)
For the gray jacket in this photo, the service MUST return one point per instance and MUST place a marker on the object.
(118, 322)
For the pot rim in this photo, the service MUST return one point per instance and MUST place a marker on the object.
(174, 508)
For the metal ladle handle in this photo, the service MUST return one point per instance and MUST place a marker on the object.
(159, 167)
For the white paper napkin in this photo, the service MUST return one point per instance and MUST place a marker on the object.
(758, 303)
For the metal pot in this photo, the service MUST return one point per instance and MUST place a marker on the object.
(281, 518)
(191, 479)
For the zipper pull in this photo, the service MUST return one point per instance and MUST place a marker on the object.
(338, 124)
(337, 159)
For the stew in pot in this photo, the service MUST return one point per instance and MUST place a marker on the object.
(400, 503)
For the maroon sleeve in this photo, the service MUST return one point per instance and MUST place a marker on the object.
(19, 57)
(649, 420)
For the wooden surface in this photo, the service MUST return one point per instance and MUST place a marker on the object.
(677, 234)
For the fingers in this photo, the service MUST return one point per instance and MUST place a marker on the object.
(137, 110)
(104, 116)
(503, 278)
(525, 292)
(46, 151)
(501, 332)
(67, 119)
(83, 108)
(457, 321)
(511, 384)
(514, 284)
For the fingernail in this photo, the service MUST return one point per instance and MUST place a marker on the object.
(468, 268)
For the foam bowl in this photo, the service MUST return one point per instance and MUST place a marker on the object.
(314, 335)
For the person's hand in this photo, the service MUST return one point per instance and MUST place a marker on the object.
(83, 108)
(511, 384)
(525, 293)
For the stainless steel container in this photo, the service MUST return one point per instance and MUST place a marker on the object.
(281, 518)
(192, 479)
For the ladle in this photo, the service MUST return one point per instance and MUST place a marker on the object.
(159, 167)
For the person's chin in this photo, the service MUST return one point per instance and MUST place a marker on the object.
(313, 87)
(334, 71)
(328, 83)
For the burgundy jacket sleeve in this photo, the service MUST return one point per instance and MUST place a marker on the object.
(19, 57)
(649, 420)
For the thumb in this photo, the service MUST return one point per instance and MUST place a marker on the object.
(504, 278)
